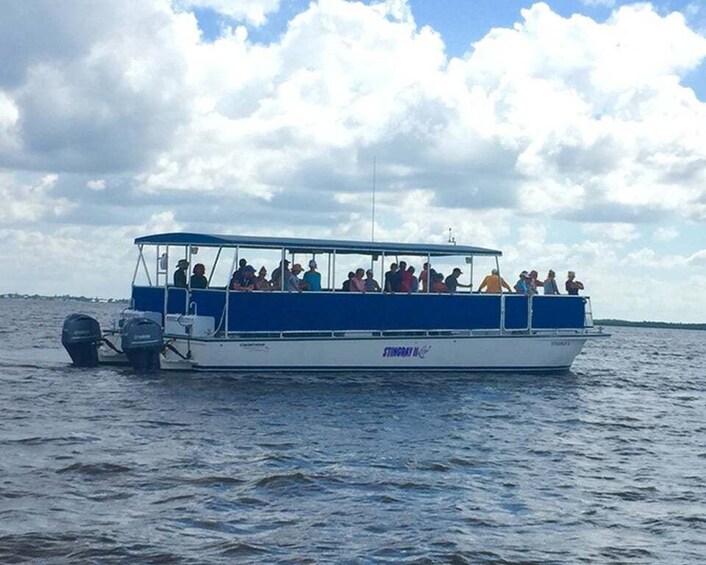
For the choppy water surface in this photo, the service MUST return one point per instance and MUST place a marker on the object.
(604, 464)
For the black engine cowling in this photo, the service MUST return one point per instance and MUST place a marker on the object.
(81, 336)
(142, 342)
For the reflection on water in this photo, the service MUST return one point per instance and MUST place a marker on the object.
(601, 464)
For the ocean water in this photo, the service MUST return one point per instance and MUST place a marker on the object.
(604, 464)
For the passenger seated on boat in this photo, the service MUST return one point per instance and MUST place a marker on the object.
(241, 265)
(180, 273)
(294, 283)
(277, 275)
(244, 281)
(521, 284)
(572, 285)
(452, 283)
(493, 282)
(346, 286)
(550, 286)
(198, 279)
(261, 282)
(313, 278)
(425, 276)
(371, 285)
(389, 275)
(357, 284)
(438, 285)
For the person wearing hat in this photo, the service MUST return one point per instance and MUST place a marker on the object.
(244, 280)
(572, 285)
(521, 284)
(198, 279)
(312, 278)
(180, 273)
(452, 283)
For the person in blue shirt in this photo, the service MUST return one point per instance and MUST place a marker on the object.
(312, 278)
(521, 285)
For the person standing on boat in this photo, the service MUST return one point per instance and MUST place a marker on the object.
(550, 286)
(533, 283)
(452, 283)
(371, 285)
(521, 284)
(357, 282)
(572, 285)
(313, 278)
(277, 275)
(397, 281)
(198, 279)
(426, 276)
(294, 283)
(180, 273)
(389, 275)
(413, 281)
(493, 282)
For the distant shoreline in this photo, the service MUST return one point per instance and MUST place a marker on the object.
(64, 297)
(646, 324)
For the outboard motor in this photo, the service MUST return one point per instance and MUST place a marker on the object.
(81, 336)
(142, 341)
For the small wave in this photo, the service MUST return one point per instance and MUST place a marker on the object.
(286, 480)
(95, 469)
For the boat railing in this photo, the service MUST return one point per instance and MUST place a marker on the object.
(512, 313)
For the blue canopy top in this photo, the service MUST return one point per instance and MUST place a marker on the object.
(298, 245)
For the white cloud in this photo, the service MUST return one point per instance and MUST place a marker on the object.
(555, 119)
(698, 259)
(614, 232)
(603, 3)
(97, 184)
(251, 11)
(667, 233)
(24, 202)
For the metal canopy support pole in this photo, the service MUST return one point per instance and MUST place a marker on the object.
(144, 265)
(215, 264)
(470, 282)
(428, 273)
(282, 267)
(328, 272)
(382, 272)
(502, 296)
(188, 280)
(232, 266)
(333, 272)
(137, 264)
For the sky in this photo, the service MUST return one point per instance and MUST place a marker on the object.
(569, 134)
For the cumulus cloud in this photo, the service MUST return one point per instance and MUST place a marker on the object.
(553, 120)
(24, 202)
(667, 233)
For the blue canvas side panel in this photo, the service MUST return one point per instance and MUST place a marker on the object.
(273, 312)
(208, 303)
(516, 312)
(558, 312)
(148, 298)
(176, 300)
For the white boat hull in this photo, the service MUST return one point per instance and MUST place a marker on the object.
(441, 353)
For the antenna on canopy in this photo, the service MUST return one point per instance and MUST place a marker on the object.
(452, 239)
(372, 235)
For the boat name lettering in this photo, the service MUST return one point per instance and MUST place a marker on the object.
(560, 343)
(412, 351)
